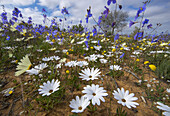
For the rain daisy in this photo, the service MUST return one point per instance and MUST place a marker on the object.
(125, 98)
(165, 108)
(24, 65)
(94, 93)
(33, 71)
(41, 66)
(79, 104)
(115, 67)
(90, 75)
(49, 87)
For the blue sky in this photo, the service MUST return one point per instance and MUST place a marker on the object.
(157, 11)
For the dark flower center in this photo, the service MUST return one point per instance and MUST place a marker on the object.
(90, 76)
(80, 108)
(94, 94)
(51, 91)
(123, 100)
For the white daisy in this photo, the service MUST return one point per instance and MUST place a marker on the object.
(104, 61)
(94, 93)
(41, 66)
(97, 47)
(56, 58)
(71, 64)
(49, 88)
(165, 108)
(125, 98)
(33, 71)
(46, 59)
(168, 90)
(115, 67)
(79, 104)
(82, 63)
(89, 75)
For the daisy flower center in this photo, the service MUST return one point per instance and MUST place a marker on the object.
(29, 66)
(51, 91)
(94, 94)
(90, 76)
(123, 100)
(80, 108)
(10, 92)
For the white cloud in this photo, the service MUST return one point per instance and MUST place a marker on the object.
(51, 4)
(17, 2)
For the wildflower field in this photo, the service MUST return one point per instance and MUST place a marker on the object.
(49, 71)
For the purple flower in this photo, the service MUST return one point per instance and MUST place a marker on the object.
(4, 17)
(113, 24)
(106, 12)
(43, 10)
(116, 37)
(122, 55)
(141, 9)
(29, 20)
(94, 31)
(98, 42)
(16, 12)
(131, 23)
(100, 20)
(8, 38)
(64, 11)
(109, 2)
(149, 26)
(86, 42)
(88, 14)
(145, 22)
(139, 34)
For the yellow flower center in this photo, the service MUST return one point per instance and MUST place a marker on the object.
(29, 66)
(53, 40)
(10, 92)
(16, 61)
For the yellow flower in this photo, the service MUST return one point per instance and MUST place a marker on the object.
(24, 65)
(152, 67)
(67, 53)
(16, 61)
(113, 50)
(91, 47)
(121, 48)
(137, 46)
(146, 62)
(137, 60)
(53, 40)
(67, 71)
(132, 48)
